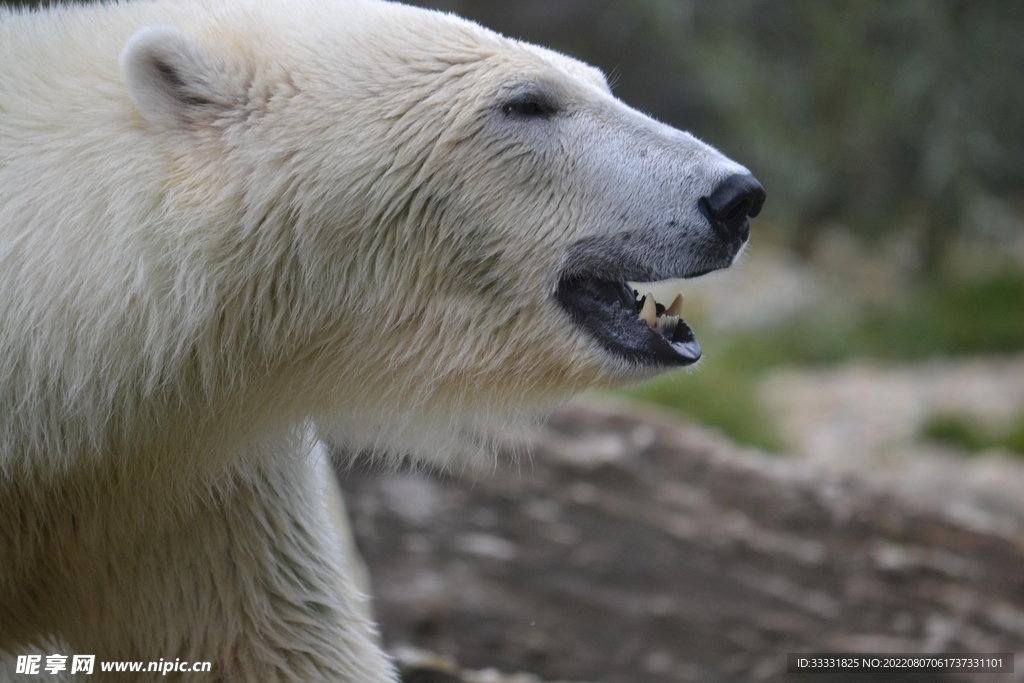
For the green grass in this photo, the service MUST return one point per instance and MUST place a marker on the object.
(960, 431)
(968, 434)
(1014, 437)
(952, 319)
(937, 319)
(719, 392)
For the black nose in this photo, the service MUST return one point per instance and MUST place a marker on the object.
(729, 205)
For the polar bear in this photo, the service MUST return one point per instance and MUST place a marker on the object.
(229, 228)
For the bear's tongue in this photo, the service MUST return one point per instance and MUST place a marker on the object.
(637, 328)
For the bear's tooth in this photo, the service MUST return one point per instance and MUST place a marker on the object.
(676, 307)
(667, 323)
(649, 313)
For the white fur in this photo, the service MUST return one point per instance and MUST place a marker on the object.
(229, 226)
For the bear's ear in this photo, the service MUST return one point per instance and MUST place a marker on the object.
(172, 82)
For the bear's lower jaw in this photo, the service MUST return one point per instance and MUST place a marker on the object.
(611, 313)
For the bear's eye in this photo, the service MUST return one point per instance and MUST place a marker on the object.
(529, 106)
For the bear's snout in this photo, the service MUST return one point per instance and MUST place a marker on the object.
(728, 206)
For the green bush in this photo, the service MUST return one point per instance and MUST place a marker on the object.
(957, 430)
(966, 433)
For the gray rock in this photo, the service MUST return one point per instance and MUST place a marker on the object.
(673, 555)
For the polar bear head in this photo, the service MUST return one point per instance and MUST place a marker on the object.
(421, 221)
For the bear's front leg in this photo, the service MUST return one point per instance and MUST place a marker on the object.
(250, 578)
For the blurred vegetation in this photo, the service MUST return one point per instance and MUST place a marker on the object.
(948, 318)
(968, 434)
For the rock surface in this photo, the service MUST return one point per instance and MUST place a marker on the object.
(634, 548)
(866, 417)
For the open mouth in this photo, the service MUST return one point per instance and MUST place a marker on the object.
(630, 325)
(594, 284)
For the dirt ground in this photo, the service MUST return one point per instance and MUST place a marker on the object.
(633, 548)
